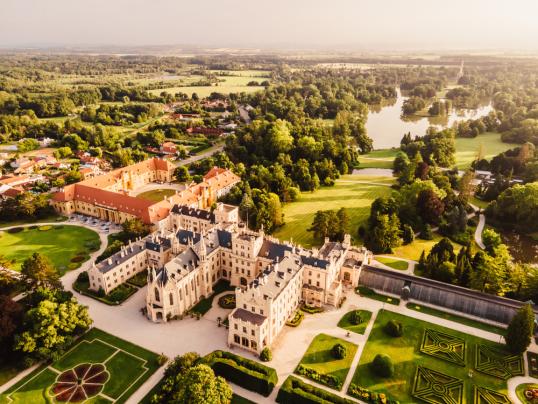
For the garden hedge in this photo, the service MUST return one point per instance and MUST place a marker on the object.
(295, 391)
(244, 372)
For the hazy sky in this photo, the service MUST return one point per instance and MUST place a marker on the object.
(351, 24)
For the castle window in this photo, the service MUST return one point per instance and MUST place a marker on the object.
(157, 297)
(171, 299)
(237, 340)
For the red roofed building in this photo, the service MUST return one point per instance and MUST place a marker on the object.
(168, 148)
(107, 196)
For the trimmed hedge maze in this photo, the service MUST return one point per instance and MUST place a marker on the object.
(487, 396)
(443, 346)
(498, 363)
(435, 387)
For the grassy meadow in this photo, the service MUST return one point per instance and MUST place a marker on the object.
(353, 192)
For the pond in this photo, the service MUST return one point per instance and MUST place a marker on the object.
(522, 247)
(386, 126)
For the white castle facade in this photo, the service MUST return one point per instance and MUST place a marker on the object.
(198, 248)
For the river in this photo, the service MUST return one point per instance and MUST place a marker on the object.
(386, 127)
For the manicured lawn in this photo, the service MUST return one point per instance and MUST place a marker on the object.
(59, 243)
(348, 192)
(383, 158)
(346, 324)
(393, 263)
(157, 195)
(128, 366)
(412, 251)
(47, 219)
(406, 356)
(318, 356)
(240, 400)
(204, 305)
(479, 202)
(118, 295)
(372, 294)
(458, 319)
(467, 148)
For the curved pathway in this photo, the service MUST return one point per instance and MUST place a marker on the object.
(479, 230)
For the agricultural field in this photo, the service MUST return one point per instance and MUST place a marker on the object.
(436, 362)
(65, 246)
(236, 82)
(100, 368)
(353, 192)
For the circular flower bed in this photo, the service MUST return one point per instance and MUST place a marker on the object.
(227, 301)
(80, 383)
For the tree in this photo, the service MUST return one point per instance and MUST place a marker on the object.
(134, 228)
(51, 325)
(384, 234)
(37, 271)
(429, 206)
(339, 351)
(520, 330)
(182, 174)
(199, 385)
(408, 235)
(10, 318)
(401, 162)
(491, 240)
(466, 186)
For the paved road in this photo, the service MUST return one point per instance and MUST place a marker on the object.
(208, 153)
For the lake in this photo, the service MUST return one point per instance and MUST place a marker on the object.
(386, 127)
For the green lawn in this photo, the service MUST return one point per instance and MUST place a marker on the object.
(382, 158)
(372, 294)
(128, 365)
(59, 243)
(412, 251)
(467, 148)
(479, 202)
(48, 219)
(346, 324)
(204, 305)
(406, 356)
(348, 192)
(156, 195)
(458, 319)
(318, 356)
(393, 263)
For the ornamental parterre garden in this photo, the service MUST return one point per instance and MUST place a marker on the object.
(433, 364)
(100, 368)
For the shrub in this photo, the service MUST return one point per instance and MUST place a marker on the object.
(15, 230)
(162, 359)
(83, 277)
(44, 228)
(356, 318)
(242, 371)
(296, 320)
(426, 233)
(408, 235)
(295, 391)
(227, 301)
(311, 309)
(339, 351)
(326, 379)
(382, 365)
(266, 355)
(78, 258)
(394, 328)
(33, 227)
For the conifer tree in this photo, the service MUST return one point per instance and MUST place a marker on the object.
(520, 330)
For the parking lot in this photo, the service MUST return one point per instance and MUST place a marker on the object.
(99, 225)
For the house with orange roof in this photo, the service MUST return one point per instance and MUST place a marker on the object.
(109, 196)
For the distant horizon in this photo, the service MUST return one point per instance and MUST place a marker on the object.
(345, 25)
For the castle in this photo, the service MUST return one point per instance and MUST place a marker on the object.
(110, 196)
(197, 248)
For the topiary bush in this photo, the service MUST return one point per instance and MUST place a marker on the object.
(382, 365)
(15, 230)
(45, 228)
(394, 328)
(356, 318)
(266, 355)
(339, 351)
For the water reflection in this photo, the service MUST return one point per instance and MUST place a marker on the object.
(386, 126)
